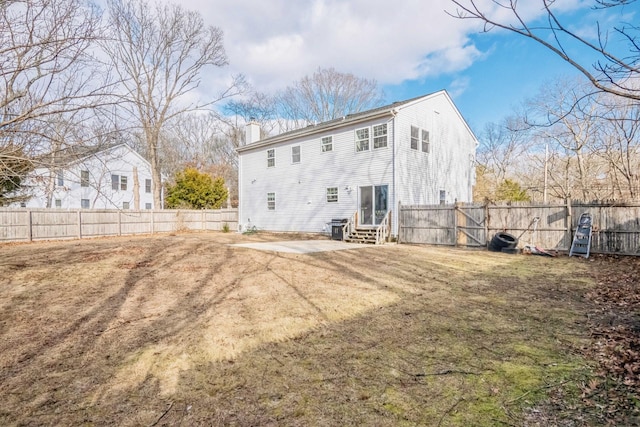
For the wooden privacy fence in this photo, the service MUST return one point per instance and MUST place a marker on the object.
(52, 224)
(616, 227)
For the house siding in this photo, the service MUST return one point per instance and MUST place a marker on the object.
(413, 177)
(120, 160)
(300, 188)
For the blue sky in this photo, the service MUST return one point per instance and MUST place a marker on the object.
(411, 47)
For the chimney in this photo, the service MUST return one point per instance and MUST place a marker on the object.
(252, 132)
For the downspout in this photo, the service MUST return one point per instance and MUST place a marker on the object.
(394, 218)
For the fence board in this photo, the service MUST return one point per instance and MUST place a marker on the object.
(616, 228)
(52, 224)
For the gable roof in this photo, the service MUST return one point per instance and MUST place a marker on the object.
(389, 109)
(70, 155)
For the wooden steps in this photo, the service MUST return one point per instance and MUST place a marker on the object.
(362, 235)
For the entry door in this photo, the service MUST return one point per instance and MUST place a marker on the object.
(373, 204)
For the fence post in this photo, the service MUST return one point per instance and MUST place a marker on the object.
(455, 224)
(29, 226)
(79, 225)
(202, 221)
(152, 225)
(486, 224)
(399, 224)
(119, 223)
(569, 224)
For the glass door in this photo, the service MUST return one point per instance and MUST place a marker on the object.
(374, 201)
(366, 205)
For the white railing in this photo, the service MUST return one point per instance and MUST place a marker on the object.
(350, 225)
(383, 230)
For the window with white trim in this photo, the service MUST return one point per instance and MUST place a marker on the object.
(84, 178)
(60, 178)
(327, 144)
(362, 139)
(415, 134)
(58, 203)
(271, 201)
(147, 186)
(380, 136)
(115, 182)
(295, 154)
(84, 203)
(125, 205)
(443, 197)
(123, 183)
(332, 194)
(425, 141)
(147, 205)
(271, 158)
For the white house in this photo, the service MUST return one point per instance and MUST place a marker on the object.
(116, 177)
(419, 151)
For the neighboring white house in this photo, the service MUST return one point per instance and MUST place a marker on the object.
(419, 151)
(115, 177)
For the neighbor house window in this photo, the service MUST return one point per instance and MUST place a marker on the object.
(115, 182)
(327, 144)
(380, 136)
(84, 203)
(271, 158)
(123, 183)
(425, 141)
(147, 205)
(271, 201)
(125, 205)
(147, 186)
(332, 194)
(415, 134)
(295, 154)
(362, 139)
(58, 203)
(60, 177)
(84, 178)
(443, 197)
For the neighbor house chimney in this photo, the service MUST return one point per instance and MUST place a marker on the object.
(252, 132)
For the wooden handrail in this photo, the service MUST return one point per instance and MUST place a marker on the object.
(382, 231)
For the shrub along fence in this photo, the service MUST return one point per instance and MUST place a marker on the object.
(616, 227)
(52, 224)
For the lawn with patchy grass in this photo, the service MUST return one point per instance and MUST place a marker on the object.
(186, 329)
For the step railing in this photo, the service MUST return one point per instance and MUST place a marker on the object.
(383, 229)
(350, 226)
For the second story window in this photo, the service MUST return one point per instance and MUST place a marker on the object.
(380, 136)
(415, 135)
(327, 144)
(147, 186)
(60, 178)
(271, 158)
(118, 182)
(123, 183)
(425, 141)
(362, 139)
(295, 154)
(84, 178)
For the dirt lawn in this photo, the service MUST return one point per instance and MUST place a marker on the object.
(187, 330)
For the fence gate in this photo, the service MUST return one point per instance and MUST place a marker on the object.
(471, 225)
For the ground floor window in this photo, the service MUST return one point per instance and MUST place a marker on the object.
(84, 203)
(271, 201)
(332, 194)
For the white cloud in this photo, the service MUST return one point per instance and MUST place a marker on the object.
(276, 42)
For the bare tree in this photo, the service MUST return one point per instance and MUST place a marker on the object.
(326, 95)
(160, 51)
(46, 71)
(614, 73)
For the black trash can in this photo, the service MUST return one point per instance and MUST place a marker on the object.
(336, 228)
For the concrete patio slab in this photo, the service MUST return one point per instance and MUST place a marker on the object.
(303, 246)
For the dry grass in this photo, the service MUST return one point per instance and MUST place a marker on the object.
(187, 329)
